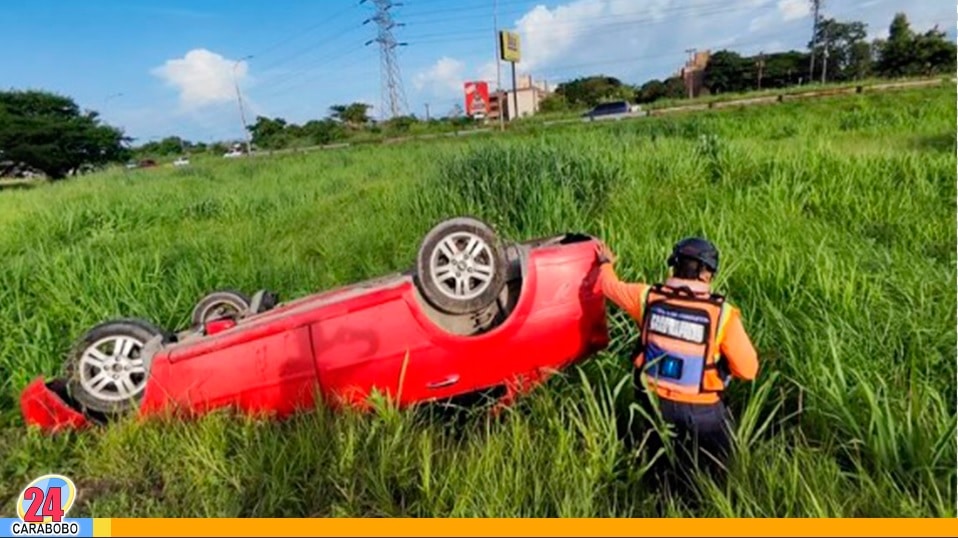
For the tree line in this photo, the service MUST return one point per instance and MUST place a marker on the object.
(343, 123)
(839, 52)
(50, 133)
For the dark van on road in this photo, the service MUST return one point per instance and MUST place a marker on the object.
(613, 110)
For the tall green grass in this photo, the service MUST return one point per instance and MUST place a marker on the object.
(836, 221)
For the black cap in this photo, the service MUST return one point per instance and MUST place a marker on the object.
(696, 248)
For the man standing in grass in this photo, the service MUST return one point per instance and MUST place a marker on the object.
(691, 342)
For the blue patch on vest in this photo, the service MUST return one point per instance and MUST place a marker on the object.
(670, 367)
(685, 370)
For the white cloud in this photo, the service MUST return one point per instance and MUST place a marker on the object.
(631, 38)
(202, 78)
(489, 73)
(547, 34)
(793, 9)
(637, 40)
(786, 11)
(445, 76)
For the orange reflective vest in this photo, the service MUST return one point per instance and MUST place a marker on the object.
(680, 342)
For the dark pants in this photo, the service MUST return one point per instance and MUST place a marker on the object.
(703, 432)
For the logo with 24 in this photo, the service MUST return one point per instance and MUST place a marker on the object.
(42, 508)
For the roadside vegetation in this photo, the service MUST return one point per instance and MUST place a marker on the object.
(907, 53)
(836, 221)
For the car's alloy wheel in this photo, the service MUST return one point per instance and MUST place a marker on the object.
(219, 304)
(106, 369)
(461, 266)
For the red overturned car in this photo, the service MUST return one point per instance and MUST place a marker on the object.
(476, 315)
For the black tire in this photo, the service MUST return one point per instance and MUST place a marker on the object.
(218, 304)
(487, 259)
(82, 374)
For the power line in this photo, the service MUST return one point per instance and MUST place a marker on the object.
(582, 29)
(326, 40)
(523, 7)
(322, 60)
(676, 11)
(522, 10)
(618, 26)
(435, 38)
(285, 87)
(556, 71)
(291, 38)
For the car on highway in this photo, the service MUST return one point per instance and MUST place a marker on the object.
(615, 110)
(475, 316)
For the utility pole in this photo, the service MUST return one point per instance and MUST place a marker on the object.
(816, 8)
(824, 60)
(427, 112)
(495, 33)
(515, 92)
(686, 71)
(761, 65)
(239, 99)
(392, 94)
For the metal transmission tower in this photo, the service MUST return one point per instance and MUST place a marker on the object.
(393, 96)
(816, 8)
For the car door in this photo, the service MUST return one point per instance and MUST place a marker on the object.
(434, 372)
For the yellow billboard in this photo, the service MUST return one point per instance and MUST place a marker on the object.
(509, 46)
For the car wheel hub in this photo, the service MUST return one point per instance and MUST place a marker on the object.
(114, 375)
(462, 266)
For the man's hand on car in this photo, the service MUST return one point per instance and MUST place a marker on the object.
(604, 253)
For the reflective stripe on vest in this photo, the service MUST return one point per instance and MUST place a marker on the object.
(679, 345)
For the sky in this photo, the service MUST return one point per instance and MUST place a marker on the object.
(159, 68)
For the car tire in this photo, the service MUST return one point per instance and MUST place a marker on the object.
(218, 304)
(457, 281)
(89, 367)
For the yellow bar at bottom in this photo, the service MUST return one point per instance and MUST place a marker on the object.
(102, 526)
(530, 527)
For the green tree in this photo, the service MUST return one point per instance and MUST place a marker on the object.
(728, 72)
(896, 55)
(590, 91)
(49, 132)
(934, 53)
(862, 60)
(218, 148)
(400, 124)
(554, 102)
(844, 43)
(171, 145)
(269, 133)
(324, 131)
(651, 91)
(905, 53)
(783, 69)
(353, 114)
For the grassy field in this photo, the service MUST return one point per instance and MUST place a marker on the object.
(735, 96)
(836, 221)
